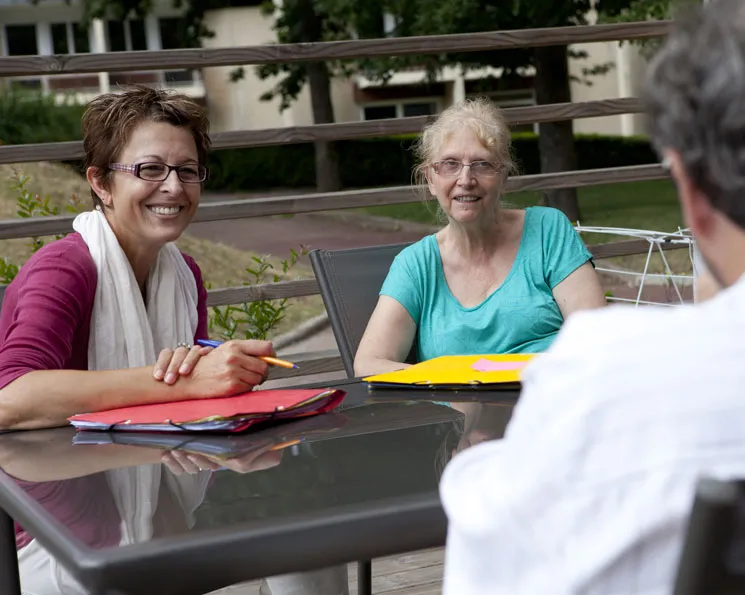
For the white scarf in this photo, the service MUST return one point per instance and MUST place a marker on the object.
(126, 333)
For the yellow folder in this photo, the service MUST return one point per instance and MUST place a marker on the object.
(457, 371)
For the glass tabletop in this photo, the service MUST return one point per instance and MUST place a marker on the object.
(117, 489)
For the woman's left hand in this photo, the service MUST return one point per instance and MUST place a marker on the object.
(173, 363)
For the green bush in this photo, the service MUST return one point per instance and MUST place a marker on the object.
(375, 162)
(30, 117)
(388, 161)
(594, 151)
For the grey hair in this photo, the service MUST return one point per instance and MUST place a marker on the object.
(695, 97)
(483, 117)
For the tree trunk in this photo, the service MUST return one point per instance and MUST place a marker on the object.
(556, 141)
(328, 178)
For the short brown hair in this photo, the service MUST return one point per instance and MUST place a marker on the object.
(110, 118)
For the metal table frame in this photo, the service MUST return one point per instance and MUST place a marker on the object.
(202, 562)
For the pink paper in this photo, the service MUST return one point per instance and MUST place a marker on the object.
(487, 365)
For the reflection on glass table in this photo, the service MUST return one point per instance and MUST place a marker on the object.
(123, 489)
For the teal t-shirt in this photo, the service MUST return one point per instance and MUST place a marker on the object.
(520, 316)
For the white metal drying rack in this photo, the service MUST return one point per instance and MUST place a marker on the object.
(655, 239)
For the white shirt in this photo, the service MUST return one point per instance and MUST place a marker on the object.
(590, 490)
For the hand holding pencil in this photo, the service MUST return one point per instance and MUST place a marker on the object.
(272, 361)
(215, 369)
(229, 368)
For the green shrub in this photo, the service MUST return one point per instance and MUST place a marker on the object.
(388, 161)
(594, 151)
(30, 117)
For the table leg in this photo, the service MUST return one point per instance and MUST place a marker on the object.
(364, 577)
(10, 583)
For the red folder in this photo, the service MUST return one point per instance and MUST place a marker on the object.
(227, 414)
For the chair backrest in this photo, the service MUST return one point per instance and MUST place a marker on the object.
(350, 281)
(713, 557)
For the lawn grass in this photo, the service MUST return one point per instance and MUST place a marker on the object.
(638, 205)
(222, 265)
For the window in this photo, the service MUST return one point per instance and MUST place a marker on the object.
(69, 38)
(399, 109)
(419, 109)
(80, 39)
(137, 34)
(378, 112)
(59, 38)
(116, 39)
(21, 40)
(171, 33)
(172, 37)
(126, 36)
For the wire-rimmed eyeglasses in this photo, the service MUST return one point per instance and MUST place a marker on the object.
(159, 172)
(451, 168)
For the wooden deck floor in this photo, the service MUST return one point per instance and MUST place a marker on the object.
(418, 573)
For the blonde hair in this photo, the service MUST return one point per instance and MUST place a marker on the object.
(480, 115)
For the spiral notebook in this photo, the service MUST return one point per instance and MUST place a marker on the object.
(458, 372)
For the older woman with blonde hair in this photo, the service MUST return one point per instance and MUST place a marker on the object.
(493, 280)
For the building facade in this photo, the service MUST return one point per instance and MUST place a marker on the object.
(54, 27)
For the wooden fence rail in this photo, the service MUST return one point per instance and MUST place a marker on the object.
(306, 287)
(341, 131)
(333, 50)
(349, 199)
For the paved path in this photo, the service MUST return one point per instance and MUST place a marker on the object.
(278, 234)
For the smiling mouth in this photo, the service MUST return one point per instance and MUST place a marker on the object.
(465, 199)
(166, 210)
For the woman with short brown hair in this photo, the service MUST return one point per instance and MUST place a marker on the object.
(83, 322)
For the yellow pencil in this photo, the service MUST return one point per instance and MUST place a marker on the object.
(284, 445)
(273, 361)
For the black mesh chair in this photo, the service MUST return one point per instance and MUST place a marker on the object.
(713, 557)
(350, 281)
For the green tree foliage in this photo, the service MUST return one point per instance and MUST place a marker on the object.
(550, 64)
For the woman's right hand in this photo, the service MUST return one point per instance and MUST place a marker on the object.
(233, 367)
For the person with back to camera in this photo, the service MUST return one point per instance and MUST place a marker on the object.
(493, 280)
(591, 489)
(84, 319)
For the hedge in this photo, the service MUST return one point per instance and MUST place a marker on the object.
(388, 161)
(30, 117)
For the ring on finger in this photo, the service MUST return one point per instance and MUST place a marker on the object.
(184, 345)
